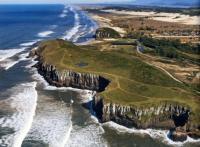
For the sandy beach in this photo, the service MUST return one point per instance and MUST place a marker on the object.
(105, 22)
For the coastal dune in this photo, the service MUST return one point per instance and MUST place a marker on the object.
(166, 17)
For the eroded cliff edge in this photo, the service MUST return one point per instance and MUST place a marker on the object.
(166, 115)
(69, 78)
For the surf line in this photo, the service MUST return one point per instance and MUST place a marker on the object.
(64, 12)
(24, 96)
(45, 34)
(70, 33)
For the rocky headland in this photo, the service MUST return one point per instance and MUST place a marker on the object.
(178, 117)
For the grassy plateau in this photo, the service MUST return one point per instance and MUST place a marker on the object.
(133, 82)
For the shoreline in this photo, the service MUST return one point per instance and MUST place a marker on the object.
(100, 22)
(105, 22)
(96, 26)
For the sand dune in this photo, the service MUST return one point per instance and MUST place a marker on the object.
(167, 17)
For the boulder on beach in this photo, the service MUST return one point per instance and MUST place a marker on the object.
(177, 135)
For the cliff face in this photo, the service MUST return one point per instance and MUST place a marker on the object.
(69, 78)
(164, 116)
(153, 117)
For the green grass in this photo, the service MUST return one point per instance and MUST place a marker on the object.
(133, 82)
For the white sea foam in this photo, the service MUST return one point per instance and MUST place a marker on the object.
(89, 135)
(45, 33)
(80, 34)
(23, 100)
(64, 12)
(29, 43)
(70, 33)
(31, 64)
(84, 30)
(8, 63)
(63, 15)
(4, 54)
(161, 135)
(52, 123)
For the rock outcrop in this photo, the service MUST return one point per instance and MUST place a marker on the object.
(102, 33)
(177, 135)
(68, 78)
(164, 116)
(161, 116)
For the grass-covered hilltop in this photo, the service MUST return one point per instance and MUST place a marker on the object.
(106, 33)
(131, 92)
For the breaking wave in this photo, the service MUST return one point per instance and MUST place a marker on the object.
(7, 59)
(4, 54)
(45, 34)
(27, 44)
(64, 13)
(87, 136)
(23, 100)
(70, 33)
(52, 123)
(8, 63)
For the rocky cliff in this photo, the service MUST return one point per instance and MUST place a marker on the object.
(152, 117)
(68, 78)
(163, 116)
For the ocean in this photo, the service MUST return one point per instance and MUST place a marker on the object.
(35, 114)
